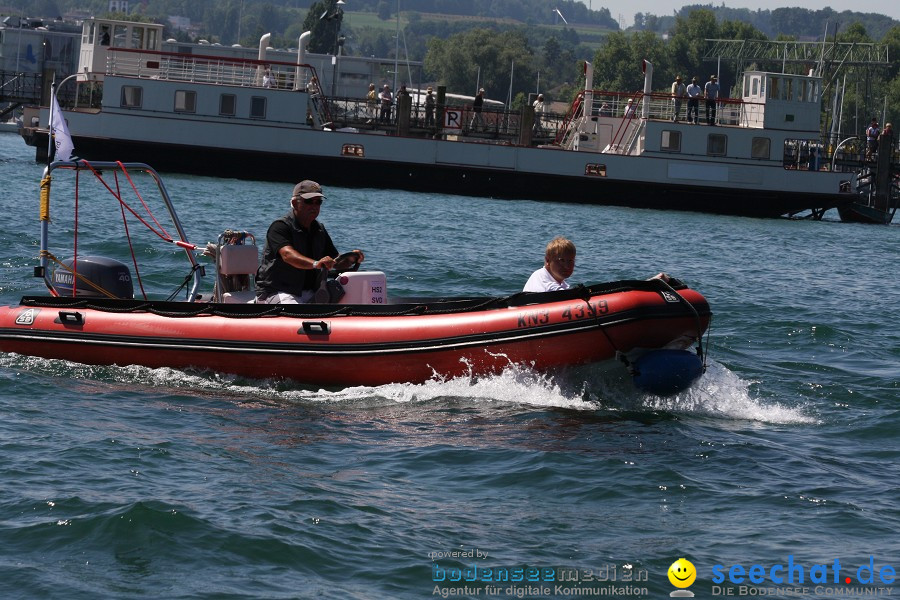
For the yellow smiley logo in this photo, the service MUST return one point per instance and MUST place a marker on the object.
(682, 573)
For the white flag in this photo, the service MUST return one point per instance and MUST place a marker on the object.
(63, 140)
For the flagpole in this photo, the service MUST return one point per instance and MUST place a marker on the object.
(45, 187)
(54, 107)
(57, 124)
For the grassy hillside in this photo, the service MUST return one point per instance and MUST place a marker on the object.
(369, 19)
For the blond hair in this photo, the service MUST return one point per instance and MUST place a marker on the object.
(559, 246)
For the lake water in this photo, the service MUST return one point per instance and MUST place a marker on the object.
(126, 482)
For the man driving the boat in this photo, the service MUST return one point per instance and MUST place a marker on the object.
(297, 249)
(559, 263)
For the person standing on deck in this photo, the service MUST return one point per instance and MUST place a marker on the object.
(678, 92)
(312, 88)
(476, 109)
(387, 98)
(371, 103)
(711, 91)
(429, 107)
(872, 133)
(887, 138)
(694, 92)
(538, 113)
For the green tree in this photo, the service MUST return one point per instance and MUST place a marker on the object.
(384, 10)
(892, 40)
(892, 92)
(457, 61)
(323, 21)
(611, 61)
(687, 42)
(552, 50)
(617, 64)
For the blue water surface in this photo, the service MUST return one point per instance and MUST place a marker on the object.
(127, 482)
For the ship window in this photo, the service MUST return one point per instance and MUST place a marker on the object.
(353, 150)
(257, 107)
(119, 36)
(773, 88)
(760, 147)
(755, 90)
(137, 38)
(185, 101)
(802, 154)
(151, 39)
(595, 170)
(716, 144)
(132, 96)
(227, 104)
(670, 141)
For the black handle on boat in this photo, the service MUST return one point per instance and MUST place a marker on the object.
(316, 328)
(70, 318)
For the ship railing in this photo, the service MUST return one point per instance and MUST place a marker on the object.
(494, 123)
(849, 155)
(729, 111)
(823, 153)
(196, 68)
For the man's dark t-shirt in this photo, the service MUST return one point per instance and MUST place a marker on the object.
(275, 275)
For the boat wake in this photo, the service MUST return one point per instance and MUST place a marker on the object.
(719, 394)
(722, 394)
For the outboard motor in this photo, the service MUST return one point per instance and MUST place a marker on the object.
(106, 273)
(666, 372)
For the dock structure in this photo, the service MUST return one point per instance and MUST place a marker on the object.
(878, 176)
(17, 89)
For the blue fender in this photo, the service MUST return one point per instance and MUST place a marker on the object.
(666, 372)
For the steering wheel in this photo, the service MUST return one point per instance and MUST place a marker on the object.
(348, 261)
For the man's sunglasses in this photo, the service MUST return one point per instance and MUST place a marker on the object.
(309, 201)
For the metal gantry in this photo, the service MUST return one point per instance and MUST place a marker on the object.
(792, 52)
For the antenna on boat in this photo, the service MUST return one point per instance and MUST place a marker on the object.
(512, 72)
(397, 50)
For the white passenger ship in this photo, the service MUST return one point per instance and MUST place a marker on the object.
(221, 115)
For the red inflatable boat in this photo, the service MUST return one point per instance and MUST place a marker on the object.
(364, 339)
(359, 344)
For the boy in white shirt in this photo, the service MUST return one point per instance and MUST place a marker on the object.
(559, 263)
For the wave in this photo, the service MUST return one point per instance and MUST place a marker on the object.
(720, 393)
